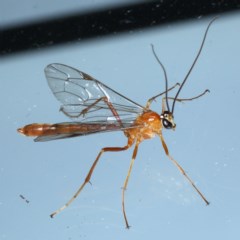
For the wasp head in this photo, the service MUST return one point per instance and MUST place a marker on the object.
(168, 120)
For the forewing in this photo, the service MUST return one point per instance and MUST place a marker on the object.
(82, 96)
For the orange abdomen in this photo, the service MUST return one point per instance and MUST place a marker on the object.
(37, 129)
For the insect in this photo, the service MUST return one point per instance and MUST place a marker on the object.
(95, 108)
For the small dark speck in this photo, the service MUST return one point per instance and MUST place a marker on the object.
(22, 197)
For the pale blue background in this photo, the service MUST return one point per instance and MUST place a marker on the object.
(159, 202)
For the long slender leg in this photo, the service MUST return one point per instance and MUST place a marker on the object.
(181, 99)
(104, 99)
(181, 169)
(150, 100)
(187, 99)
(88, 177)
(126, 183)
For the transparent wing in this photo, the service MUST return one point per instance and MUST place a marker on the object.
(84, 98)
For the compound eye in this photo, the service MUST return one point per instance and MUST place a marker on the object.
(167, 124)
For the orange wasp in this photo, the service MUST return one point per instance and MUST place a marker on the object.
(94, 108)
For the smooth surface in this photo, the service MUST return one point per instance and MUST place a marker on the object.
(159, 201)
(36, 10)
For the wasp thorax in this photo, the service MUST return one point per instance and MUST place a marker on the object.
(167, 120)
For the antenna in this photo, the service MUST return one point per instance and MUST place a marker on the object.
(165, 76)
(193, 64)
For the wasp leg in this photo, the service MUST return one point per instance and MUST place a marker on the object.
(88, 177)
(181, 169)
(126, 183)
